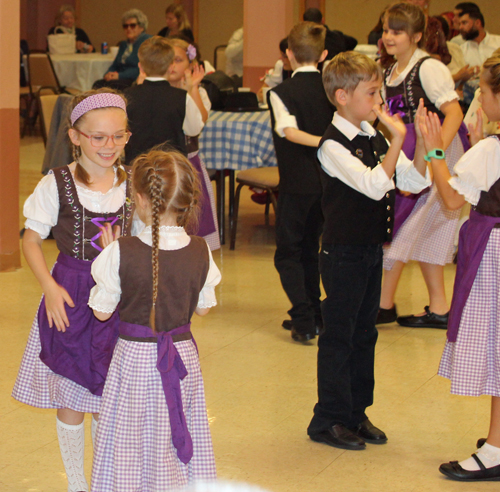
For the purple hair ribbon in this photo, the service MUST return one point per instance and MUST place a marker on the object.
(99, 222)
(191, 52)
(394, 103)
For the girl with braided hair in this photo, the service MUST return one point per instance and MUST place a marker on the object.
(153, 429)
(68, 352)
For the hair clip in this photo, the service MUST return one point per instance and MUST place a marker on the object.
(191, 52)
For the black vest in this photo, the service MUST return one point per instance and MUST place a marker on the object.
(305, 98)
(406, 96)
(350, 216)
(156, 112)
(489, 202)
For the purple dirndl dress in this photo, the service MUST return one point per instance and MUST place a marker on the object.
(68, 369)
(424, 230)
(153, 431)
(471, 357)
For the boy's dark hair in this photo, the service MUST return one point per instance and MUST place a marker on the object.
(313, 15)
(473, 14)
(155, 56)
(467, 5)
(307, 41)
(347, 70)
(284, 45)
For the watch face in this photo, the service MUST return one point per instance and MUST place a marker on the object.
(439, 153)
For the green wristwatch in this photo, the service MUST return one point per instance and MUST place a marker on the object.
(436, 153)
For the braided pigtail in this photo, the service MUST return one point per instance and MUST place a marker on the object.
(156, 204)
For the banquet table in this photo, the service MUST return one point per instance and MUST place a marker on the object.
(235, 141)
(81, 70)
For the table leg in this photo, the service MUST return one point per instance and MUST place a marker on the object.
(231, 195)
(221, 204)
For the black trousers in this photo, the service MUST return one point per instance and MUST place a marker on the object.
(299, 224)
(352, 278)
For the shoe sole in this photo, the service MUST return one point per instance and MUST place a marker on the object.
(409, 325)
(340, 446)
(304, 339)
(460, 479)
(373, 441)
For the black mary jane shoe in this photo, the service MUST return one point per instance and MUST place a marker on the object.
(427, 320)
(454, 471)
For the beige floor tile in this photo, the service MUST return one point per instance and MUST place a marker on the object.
(261, 386)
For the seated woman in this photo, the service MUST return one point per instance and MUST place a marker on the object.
(177, 23)
(65, 24)
(125, 67)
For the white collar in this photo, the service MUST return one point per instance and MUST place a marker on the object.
(306, 68)
(156, 79)
(350, 130)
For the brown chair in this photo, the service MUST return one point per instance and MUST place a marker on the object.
(47, 98)
(42, 74)
(220, 57)
(266, 178)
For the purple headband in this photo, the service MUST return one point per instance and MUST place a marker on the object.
(97, 101)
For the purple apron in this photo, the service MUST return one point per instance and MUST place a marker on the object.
(172, 371)
(83, 352)
(474, 236)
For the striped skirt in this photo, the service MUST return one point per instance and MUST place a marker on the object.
(134, 449)
(472, 363)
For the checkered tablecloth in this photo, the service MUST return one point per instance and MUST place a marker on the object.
(237, 141)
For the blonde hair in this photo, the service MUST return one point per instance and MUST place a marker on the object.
(408, 18)
(80, 173)
(180, 14)
(307, 42)
(491, 68)
(155, 56)
(168, 181)
(347, 70)
(184, 45)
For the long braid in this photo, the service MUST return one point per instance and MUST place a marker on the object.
(155, 182)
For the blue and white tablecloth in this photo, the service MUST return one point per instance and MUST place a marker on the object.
(237, 141)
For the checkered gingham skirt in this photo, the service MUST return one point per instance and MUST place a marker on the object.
(134, 450)
(472, 363)
(428, 233)
(38, 386)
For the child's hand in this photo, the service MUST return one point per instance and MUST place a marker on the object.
(419, 116)
(476, 131)
(55, 297)
(109, 234)
(430, 126)
(393, 123)
(197, 75)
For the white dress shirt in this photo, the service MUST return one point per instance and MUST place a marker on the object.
(338, 162)
(475, 54)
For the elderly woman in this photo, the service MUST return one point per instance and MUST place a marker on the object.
(125, 67)
(177, 23)
(65, 23)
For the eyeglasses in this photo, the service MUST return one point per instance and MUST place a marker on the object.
(118, 139)
(132, 25)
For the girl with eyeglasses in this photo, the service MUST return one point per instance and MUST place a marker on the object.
(86, 205)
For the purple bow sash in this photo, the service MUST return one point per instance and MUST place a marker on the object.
(394, 104)
(474, 236)
(172, 371)
(99, 222)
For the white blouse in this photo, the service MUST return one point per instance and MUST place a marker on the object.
(477, 170)
(41, 209)
(106, 294)
(436, 79)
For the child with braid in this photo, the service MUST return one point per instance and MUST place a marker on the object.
(153, 431)
(68, 351)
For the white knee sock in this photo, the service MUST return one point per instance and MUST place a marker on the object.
(93, 429)
(71, 443)
(489, 456)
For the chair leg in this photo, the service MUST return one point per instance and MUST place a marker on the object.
(268, 201)
(234, 221)
(273, 201)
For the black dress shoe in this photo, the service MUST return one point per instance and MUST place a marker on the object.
(302, 336)
(480, 442)
(369, 433)
(341, 437)
(454, 471)
(386, 315)
(428, 320)
(288, 325)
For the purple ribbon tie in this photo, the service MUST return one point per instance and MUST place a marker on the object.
(394, 103)
(99, 222)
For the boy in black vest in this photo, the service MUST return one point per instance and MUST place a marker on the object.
(358, 173)
(300, 114)
(157, 112)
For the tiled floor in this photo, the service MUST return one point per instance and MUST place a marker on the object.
(261, 386)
